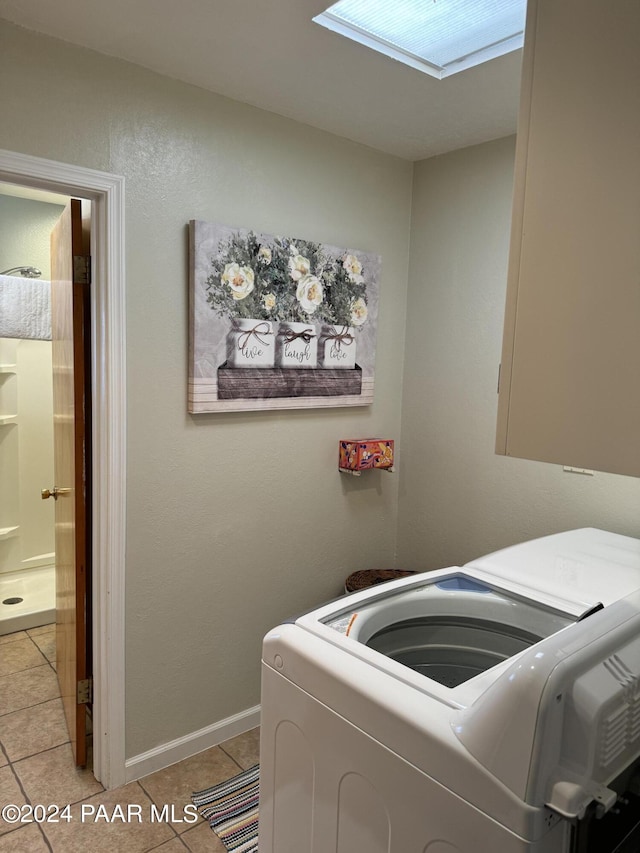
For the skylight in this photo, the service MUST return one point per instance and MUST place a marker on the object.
(439, 37)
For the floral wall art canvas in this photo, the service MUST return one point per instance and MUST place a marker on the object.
(279, 322)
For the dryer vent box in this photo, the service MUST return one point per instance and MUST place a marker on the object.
(360, 454)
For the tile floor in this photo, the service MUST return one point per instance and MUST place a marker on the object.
(36, 767)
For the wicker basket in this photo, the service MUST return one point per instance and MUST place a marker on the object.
(370, 577)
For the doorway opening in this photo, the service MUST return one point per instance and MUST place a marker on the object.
(106, 193)
(27, 546)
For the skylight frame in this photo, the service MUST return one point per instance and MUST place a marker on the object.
(378, 43)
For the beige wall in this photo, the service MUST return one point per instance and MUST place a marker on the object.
(234, 521)
(458, 499)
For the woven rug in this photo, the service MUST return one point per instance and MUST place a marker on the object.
(232, 810)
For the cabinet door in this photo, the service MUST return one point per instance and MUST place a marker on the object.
(570, 377)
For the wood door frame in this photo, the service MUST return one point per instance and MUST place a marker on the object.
(106, 192)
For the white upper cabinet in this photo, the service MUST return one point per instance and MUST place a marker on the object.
(570, 376)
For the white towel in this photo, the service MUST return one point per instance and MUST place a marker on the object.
(25, 308)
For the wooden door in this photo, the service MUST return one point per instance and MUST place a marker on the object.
(72, 458)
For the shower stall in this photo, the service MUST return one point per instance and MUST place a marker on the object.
(27, 557)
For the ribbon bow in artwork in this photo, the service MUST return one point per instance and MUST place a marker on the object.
(305, 336)
(257, 332)
(339, 338)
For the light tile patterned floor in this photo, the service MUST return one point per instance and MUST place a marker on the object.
(36, 766)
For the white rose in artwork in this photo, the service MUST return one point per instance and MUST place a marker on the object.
(238, 279)
(353, 268)
(269, 301)
(359, 312)
(309, 293)
(264, 253)
(299, 266)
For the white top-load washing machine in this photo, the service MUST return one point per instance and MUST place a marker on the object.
(493, 708)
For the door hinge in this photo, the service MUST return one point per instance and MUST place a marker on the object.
(499, 371)
(85, 691)
(82, 269)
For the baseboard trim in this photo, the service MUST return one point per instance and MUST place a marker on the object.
(184, 747)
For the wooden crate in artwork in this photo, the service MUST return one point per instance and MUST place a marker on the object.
(263, 383)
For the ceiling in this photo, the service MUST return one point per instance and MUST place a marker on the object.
(32, 194)
(270, 54)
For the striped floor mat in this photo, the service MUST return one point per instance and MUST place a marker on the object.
(232, 810)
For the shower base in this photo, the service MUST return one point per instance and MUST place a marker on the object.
(37, 589)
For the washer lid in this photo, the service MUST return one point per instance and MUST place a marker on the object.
(585, 565)
(450, 595)
(452, 628)
(448, 633)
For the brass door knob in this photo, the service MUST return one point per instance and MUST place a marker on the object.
(53, 493)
